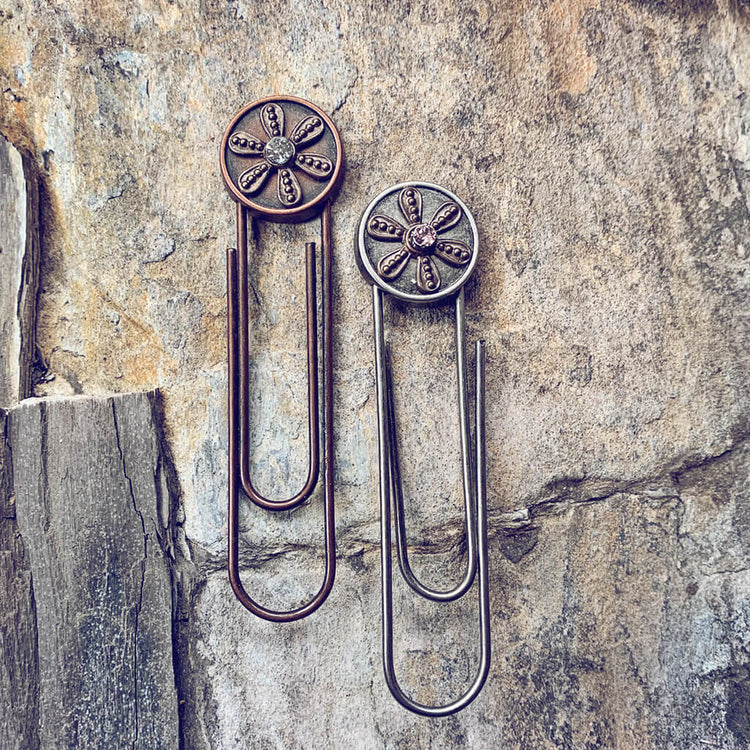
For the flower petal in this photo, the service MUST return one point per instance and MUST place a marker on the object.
(381, 227)
(453, 252)
(272, 119)
(447, 216)
(428, 278)
(307, 131)
(392, 265)
(252, 180)
(410, 203)
(289, 191)
(316, 165)
(244, 144)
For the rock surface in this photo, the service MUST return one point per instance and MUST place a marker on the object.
(604, 148)
(19, 273)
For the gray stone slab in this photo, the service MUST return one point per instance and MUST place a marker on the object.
(19, 673)
(88, 478)
(19, 273)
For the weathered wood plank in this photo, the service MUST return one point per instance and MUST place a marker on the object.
(18, 637)
(19, 273)
(89, 483)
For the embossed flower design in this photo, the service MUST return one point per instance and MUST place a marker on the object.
(419, 240)
(281, 154)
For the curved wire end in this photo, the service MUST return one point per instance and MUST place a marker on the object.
(240, 324)
(275, 615)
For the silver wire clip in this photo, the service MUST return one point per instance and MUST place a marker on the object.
(418, 243)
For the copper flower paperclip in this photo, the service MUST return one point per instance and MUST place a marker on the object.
(281, 160)
(425, 261)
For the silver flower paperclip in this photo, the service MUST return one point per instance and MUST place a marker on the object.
(444, 251)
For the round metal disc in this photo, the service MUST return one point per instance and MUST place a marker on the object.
(418, 242)
(281, 157)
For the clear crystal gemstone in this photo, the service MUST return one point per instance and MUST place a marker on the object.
(422, 237)
(279, 151)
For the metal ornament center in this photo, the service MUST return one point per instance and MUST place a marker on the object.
(422, 238)
(279, 151)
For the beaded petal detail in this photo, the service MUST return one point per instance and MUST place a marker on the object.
(419, 240)
(281, 154)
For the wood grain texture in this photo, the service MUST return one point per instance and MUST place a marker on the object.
(93, 513)
(18, 637)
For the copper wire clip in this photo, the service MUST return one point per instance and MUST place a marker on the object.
(418, 242)
(281, 160)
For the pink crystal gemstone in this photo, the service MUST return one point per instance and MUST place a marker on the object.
(422, 237)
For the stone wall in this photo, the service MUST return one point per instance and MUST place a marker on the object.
(604, 148)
